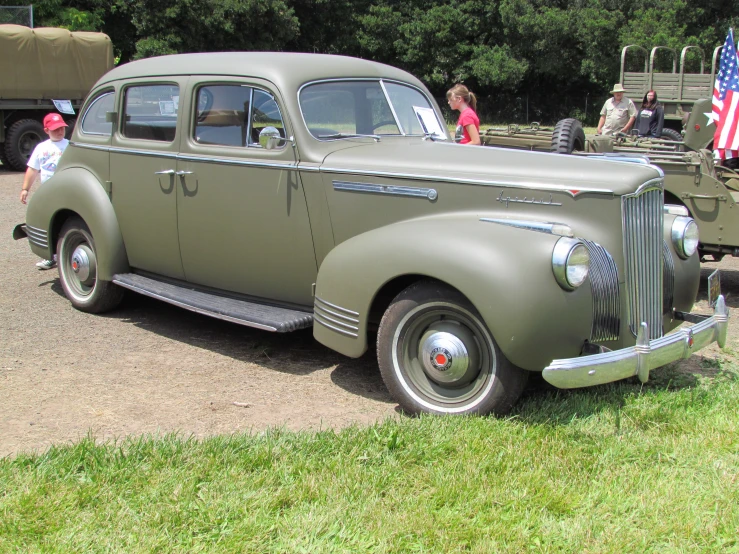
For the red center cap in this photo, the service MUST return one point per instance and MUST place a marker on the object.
(74, 265)
(440, 359)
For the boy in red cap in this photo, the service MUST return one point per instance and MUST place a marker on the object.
(43, 161)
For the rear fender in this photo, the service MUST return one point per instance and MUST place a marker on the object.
(77, 191)
(505, 272)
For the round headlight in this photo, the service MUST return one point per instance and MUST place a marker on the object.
(685, 236)
(570, 263)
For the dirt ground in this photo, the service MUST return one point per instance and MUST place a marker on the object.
(149, 367)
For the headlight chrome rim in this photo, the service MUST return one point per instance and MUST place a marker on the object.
(685, 236)
(570, 263)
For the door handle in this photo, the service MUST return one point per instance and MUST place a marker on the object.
(181, 173)
(165, 172)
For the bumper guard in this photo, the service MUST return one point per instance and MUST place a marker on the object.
(644, 356)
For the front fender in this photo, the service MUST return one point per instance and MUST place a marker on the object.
(505, 272)
(79, 191)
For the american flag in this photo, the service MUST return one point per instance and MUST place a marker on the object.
(726, 103)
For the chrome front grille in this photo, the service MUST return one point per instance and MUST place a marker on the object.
(603, 276)
(642, 230)
(668, 297)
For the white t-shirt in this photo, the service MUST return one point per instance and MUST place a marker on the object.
(45, 157)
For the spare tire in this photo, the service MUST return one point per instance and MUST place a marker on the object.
(672, 134)
(568, 136)
(20, 140)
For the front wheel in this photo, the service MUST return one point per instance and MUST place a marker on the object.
(77, 259)
(437, 356)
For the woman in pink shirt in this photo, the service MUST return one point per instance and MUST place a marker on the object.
(460, 98)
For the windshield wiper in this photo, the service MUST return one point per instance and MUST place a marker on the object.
(348, 135)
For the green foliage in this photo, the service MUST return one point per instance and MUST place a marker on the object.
(543, 58)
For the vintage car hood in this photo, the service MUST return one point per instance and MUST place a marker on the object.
(427, 160)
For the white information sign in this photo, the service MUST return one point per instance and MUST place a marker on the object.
(428, 120)
(64, 106)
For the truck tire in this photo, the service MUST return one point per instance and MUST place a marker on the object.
(3, 159)
(672, 134)
(20, 140)
(568, 136)
(70, 128)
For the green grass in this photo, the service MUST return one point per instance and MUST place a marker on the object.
(618, 468)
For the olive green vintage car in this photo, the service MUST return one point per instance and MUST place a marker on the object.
(284, 191)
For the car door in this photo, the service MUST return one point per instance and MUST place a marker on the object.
(243, 219)
(143, 161)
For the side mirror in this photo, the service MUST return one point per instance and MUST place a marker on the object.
(270, 138)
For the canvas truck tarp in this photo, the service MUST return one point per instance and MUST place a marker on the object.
(48, 63)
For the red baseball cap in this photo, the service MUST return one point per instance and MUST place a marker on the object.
(53, 121)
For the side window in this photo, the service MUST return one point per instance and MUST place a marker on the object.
(150, 112)
(94, 121)
(222, 115)
(265, 113)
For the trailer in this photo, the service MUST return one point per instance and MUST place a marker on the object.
(37, 67)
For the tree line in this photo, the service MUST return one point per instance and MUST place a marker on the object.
(526, 59)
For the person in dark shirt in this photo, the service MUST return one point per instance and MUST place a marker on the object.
(651, 116)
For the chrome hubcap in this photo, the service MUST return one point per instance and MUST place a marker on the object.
(444, 356)
(83, 264)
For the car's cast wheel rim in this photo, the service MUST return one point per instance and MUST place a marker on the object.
(444, 357)
(78, 264)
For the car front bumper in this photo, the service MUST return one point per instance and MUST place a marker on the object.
(646, 355)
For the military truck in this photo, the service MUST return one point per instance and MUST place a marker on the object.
(677, 89)
(693, 179)
(38, 66)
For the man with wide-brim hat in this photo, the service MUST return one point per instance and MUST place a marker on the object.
(618, 113)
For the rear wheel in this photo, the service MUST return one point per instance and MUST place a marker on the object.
(568, 137)
(20, 140)
(77, 259)
(437, 356)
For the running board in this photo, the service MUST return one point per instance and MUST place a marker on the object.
(251, 314)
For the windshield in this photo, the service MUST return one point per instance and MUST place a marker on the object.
(340, 109)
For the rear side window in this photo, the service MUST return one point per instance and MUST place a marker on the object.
(222, 115)
(234, 115)
(94, 121)
(150, 112)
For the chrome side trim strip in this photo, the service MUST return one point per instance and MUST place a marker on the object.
(414, 192)
(194, 309)
(460, 180)
(558, 229)
(323, 310)
(336, 321)
(350, 312)
(119, 150)
(639, 359)
(318, 319)
(290, 166)
(39, 237)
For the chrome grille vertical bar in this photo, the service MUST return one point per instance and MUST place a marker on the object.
(643, 256)
(603, 277)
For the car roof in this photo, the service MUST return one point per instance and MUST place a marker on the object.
(288, 70)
